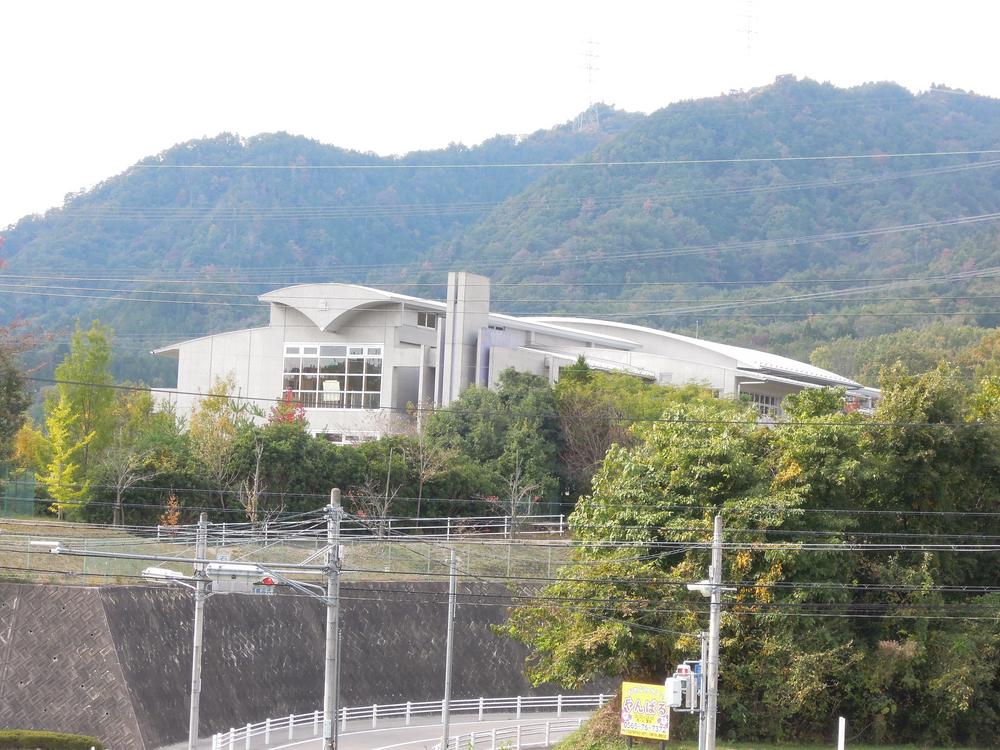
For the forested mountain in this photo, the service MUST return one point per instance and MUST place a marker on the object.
(721, 229)
(169, 228)
(700, 217)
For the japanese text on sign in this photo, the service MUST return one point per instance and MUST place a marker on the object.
(645, 713)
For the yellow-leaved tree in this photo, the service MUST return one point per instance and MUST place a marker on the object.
(61, 474)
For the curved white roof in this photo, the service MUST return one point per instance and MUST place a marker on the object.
(325, 304)
(749, 359)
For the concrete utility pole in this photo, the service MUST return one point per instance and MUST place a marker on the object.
(703, 640)
(200, 594)
(331, 675)
(449, 649)
(712, 676)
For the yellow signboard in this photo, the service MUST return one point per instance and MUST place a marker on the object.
(645, 712)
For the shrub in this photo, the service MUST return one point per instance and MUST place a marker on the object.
(26, 739)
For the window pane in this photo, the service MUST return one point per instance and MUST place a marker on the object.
(309, 350)
(373, 384)
(292, 364)
(355, 382)
(290, 383)
(331, 382)
(355, 366)
(291, 350)
(326, 351)
(339, 365)
(326, 365)
(374, 365)
(375, 350)
(307, 399)
(352, 400)
(371, 401)
(356, 350)
(331, 399)
(308, 383)
(309, 364)
(340, 351)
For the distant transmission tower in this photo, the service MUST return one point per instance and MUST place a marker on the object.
(590, 119)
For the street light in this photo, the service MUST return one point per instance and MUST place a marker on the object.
(330, 597)
(702, 587)
(168, 575)
(52, 546)
(198, 583)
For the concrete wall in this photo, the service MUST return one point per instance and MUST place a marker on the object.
(115, 662)
(60, 668)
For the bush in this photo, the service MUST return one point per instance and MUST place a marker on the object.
(26, 739)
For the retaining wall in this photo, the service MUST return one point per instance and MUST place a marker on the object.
(115, 662)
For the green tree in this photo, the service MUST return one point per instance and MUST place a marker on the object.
(597, 410)
(85, 383)
(14, 400)
(214, 428)
(63, 477)
(130, 457)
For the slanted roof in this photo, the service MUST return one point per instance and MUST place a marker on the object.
(536, 325)
(743, 358)
(172, 349)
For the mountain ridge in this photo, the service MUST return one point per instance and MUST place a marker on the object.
(708, 223)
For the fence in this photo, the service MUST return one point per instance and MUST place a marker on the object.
(287, 728)
(495, 527)
(539, 734)
(17, 495)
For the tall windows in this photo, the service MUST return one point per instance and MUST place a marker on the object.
(334, 376)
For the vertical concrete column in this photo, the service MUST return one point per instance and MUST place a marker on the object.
(466, 313)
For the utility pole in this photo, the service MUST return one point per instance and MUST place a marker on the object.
(712, 677)
(331, 674)
(703, 640)
(201, 581)
(449, 649)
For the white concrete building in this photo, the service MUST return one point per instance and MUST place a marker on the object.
(354, 356)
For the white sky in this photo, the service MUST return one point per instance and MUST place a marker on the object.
(89, 88)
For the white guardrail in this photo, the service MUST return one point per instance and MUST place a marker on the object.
(299, 726)
(536, 734)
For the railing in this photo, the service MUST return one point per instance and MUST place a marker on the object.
(286, 729)
(497, 527)
(536, 734)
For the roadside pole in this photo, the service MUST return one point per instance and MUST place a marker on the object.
(712, 677)
(201, 581)
(449, 650)
(331, 675)
(702, 691)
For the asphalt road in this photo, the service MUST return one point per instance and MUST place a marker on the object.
(391, 734)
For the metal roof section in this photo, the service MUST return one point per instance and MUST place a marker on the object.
(758, 376)
(597, 364)
(744, 359)
(173, 349)
(573, 334)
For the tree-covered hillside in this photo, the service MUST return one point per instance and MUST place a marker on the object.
(745, 218)
(657, 238)
(194, 224)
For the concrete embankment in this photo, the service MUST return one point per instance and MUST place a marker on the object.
(115, 662)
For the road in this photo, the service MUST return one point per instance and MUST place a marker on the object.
(392, 734)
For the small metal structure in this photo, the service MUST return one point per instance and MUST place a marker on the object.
(239, 578)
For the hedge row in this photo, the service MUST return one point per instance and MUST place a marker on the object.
(24, 739)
